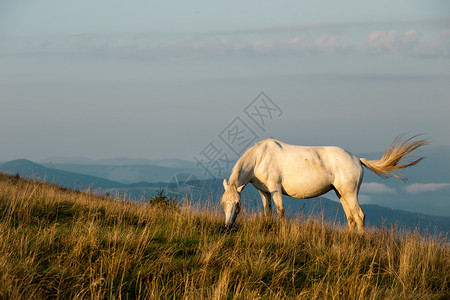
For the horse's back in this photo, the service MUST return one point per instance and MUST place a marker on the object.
(304, 171)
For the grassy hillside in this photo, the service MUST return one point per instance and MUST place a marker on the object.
(58, 243)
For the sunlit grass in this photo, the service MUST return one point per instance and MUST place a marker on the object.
(59, 243)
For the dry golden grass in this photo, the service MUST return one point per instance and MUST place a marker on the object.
(58, 243)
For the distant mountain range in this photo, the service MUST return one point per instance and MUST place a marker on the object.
(29, 169)
(120, 161)
(126, 173)
(180, 181)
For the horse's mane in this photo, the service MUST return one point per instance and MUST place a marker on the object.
(234, 177)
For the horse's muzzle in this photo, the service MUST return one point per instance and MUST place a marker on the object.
(229, 224)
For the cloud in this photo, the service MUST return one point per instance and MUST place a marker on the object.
(379, 42)
(364, 199)
(282, 43)
(439, 45)
(326, 43)
(377, 188)
(288, 40)
(417, 188)
(408, 43)
(192, 45)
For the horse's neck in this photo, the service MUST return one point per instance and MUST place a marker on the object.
(241, 173)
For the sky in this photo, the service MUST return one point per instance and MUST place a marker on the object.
(154, 79)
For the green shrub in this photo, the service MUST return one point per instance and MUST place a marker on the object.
(161, 200)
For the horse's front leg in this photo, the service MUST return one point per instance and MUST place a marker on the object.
(278, 200)
(267, 203)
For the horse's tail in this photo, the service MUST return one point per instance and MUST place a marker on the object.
(394, 157)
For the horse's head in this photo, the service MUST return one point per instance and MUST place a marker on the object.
(231, 202)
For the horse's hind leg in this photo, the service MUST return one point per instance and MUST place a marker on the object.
(267, 203)
(355, 210)
(351, 222)
(354, 213)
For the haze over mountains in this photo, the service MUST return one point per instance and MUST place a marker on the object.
(120, 161)
(29, 169)
(133, 171)
(427, 191)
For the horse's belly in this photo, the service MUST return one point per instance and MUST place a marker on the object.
(307, 188)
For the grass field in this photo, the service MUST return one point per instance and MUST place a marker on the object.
(59, 243)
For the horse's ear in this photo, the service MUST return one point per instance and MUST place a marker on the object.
(225, 183)
(239, 189)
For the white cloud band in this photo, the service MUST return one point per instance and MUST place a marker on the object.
(377, 188)
(417, 188)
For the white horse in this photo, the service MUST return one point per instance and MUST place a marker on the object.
(277, 168)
